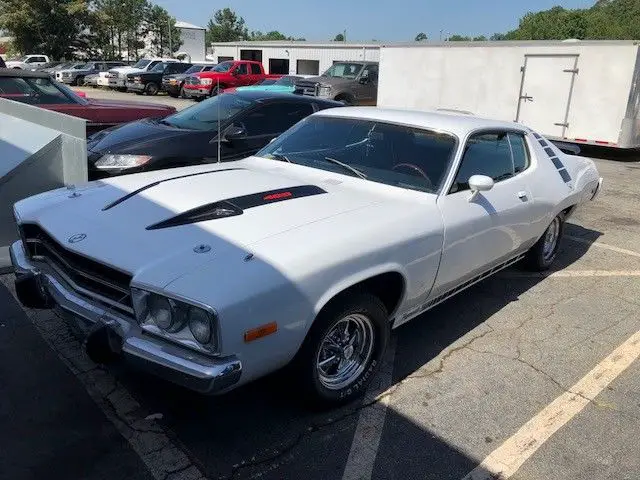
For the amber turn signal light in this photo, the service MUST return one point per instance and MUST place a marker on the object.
(261, 331)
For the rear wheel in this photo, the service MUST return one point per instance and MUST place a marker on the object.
(542, 255)
(345, 99)
(343, 349)
(151, 89)
(80, 81)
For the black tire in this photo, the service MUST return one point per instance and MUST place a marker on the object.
(138, 93)
(214, 91)
(306, 366)
(151, 89)
(182, 94)
(80, 81)
(542, 255)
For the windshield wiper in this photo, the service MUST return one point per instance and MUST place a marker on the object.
(280, 157)
(347, 167)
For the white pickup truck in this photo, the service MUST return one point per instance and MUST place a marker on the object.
(28, 62)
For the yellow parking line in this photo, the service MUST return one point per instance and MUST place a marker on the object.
(503, 462)
(604, 245)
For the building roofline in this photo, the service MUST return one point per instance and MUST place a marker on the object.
(296, 43)
(512, 43)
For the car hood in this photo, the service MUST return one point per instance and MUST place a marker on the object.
(126, 70)
(122, 218)
(138, 135)
(176, 76)
(14, 63)
(333, 81)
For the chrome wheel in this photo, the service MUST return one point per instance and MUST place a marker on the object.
(551, 239)
(345, 351)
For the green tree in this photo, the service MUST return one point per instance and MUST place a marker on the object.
(458, 38)
(480, 38)
(421, 37)
(158, 23)
(54, 28)
(226, 26)
(339, 38)
(269, 36)
(496, 37)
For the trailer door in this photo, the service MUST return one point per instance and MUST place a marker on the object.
(545, 92)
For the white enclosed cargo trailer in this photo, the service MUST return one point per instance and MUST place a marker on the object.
(577, 91)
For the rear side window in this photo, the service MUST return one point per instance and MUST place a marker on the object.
(519, 151)
(242, 69)
(255, 69)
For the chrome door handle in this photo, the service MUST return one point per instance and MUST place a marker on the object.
(522, 195)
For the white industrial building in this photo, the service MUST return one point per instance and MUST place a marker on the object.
(300, 57)
(193, 42)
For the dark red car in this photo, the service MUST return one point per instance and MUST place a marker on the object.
(39, 89)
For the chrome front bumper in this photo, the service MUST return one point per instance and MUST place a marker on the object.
(171, 362)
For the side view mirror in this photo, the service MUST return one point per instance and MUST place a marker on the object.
(364, 80)
(234, 132)
(479, 183)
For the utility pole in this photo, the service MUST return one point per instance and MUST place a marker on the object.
(440, 35)
(170, 46)
(344, 36)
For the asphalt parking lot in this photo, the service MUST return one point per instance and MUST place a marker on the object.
(515, 375)
(163, 98)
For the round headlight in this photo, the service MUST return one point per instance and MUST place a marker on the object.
(160, 311)
(200, 325)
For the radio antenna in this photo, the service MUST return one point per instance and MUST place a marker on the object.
(218, 102)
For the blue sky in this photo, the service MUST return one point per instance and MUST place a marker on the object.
(364, 20)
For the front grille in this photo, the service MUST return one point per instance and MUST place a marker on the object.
(192, 81)
(87, 277)
(307, 88)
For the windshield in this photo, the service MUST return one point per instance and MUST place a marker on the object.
(205, 115)
(406, 157)
(142, 63)
(195, 69)
(223, 67)
(79, 66)
(343, 70)
(161, 67)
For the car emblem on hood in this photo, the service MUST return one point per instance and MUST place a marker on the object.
(78, 237)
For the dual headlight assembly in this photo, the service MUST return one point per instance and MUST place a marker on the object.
(187, 324)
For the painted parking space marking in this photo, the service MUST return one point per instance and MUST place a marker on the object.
(503, 462)
(366, 439)
(571, 273)
(603, 245)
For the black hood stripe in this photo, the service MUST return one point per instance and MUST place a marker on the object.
(151, 185)
(232, 207)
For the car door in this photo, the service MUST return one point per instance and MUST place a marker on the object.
(367, 88)
(494, 227)
(255, 73)
(262, 124)
(241, 75)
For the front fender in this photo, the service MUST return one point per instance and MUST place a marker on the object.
(349, 281)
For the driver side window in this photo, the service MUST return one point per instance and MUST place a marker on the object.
(485, 154)
(242, 69)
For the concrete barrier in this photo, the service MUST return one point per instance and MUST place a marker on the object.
(39, 150)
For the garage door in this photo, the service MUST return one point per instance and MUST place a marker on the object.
(545, 92)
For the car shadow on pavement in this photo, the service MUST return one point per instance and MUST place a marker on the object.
(265, 429)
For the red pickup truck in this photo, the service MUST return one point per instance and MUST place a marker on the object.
(236, 73)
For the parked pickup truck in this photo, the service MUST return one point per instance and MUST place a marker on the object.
(117, 77)
(28, 62)
(350, 82)
(150, 82)
(224, 75)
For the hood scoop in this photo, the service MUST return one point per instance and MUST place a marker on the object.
(236, 206)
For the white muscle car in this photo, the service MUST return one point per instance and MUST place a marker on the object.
(352, 222)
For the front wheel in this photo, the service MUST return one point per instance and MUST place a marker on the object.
(151, 89)
(215, 90)
(542, 255)
(343, 349)
(80, 81)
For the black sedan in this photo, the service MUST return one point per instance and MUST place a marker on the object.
(150, 82)
(173, 84)
(246, 121)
